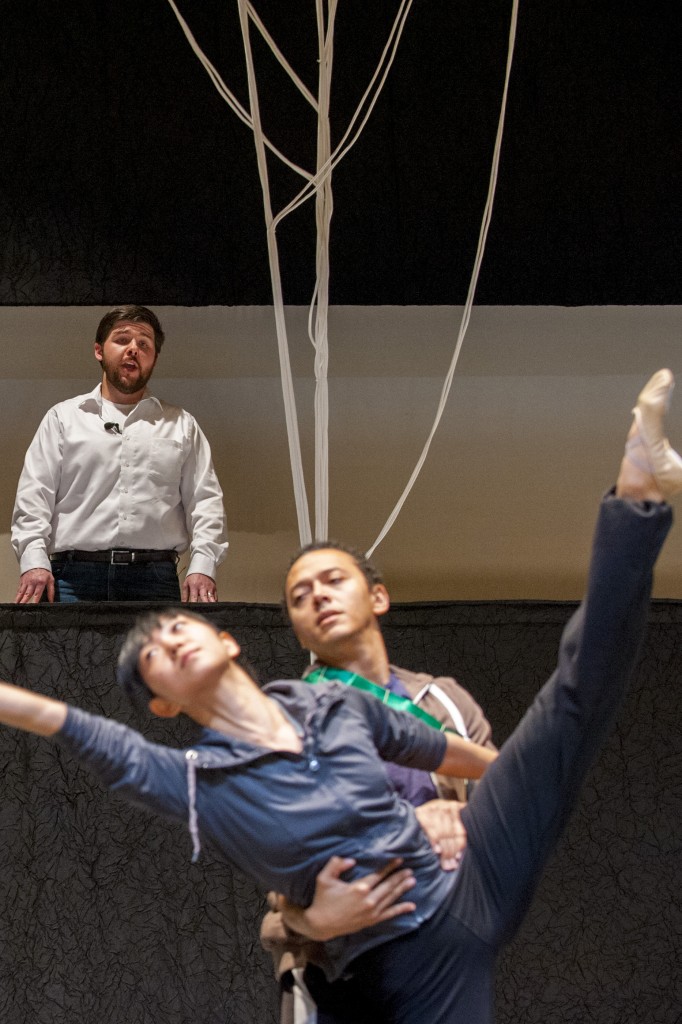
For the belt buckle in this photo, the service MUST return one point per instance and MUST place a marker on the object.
(126, 556)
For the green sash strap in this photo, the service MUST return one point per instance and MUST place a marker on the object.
(325, 673)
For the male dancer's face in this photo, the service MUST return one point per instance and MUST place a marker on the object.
(330, 602)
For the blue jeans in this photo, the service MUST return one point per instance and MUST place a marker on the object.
(100, 581)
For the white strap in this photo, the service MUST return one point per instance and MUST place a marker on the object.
(466, 314)
(319, 185)
(448, 703)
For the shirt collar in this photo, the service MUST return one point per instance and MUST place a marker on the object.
(93, 399)
(303, 705)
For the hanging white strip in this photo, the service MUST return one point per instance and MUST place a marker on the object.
(323, 213)
(320, 185)
(466, 315)
(277, 53)
(385, 62)
(302, 512)
(229, 97)
(318, 319)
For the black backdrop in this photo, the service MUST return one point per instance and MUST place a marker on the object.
(126, 178)
(103, 919)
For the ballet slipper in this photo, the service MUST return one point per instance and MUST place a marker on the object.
(657, 456)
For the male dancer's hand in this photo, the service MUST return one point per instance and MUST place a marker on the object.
(441, 821)
(341, 908)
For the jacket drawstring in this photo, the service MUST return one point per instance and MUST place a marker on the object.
(193, 822)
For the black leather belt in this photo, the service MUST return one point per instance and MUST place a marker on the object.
(116, 556)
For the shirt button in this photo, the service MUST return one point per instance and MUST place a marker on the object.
(313, 764)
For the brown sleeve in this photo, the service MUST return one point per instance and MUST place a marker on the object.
(477, 725)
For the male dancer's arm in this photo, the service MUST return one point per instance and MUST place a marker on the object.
(340, 908)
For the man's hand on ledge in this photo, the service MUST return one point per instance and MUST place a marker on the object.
(198, 588)
(32, 584)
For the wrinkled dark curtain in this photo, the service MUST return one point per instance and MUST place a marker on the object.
(103, 919)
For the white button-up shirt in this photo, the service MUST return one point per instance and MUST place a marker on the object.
(148, 484)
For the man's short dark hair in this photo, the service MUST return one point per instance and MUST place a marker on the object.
(134, 314)
(367, 568)
(127, 667)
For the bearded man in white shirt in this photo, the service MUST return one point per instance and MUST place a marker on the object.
(117, 484)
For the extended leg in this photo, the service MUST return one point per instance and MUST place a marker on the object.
(521, 805)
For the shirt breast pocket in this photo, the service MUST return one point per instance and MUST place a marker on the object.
(166, 459)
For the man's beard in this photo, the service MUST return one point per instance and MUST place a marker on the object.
(128, 386)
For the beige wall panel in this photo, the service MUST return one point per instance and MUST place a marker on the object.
(504, 506)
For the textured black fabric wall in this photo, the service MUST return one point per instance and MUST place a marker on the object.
(104, 920)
